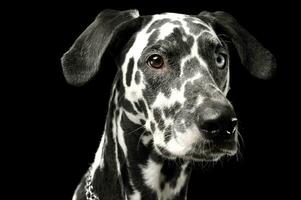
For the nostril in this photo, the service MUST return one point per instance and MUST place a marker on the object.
(217, 121)
(232, 126)
(219, 128)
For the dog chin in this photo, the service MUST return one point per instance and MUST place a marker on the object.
(209, 155)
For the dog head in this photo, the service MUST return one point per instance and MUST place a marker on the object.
(174, 75)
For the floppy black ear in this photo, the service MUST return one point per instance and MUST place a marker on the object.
(258, 60)
(81, 62)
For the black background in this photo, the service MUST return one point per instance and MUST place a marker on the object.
(56, 128)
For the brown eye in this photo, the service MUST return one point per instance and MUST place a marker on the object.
(155, 61)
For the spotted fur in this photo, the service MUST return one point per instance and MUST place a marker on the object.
(154, 113)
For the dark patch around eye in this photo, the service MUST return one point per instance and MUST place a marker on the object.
(174, 49)
(206, 46)
(207, 49)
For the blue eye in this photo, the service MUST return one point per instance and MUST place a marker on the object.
(220, 60)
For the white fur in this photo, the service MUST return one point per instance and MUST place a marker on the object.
(99, 156)
(115, 129)
(120, 135)
(152, 174)
(146, 139)
(136, 195)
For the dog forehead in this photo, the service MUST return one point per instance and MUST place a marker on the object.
(163, 25)
(166, 23)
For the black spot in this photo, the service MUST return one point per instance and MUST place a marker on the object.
(157, 24)
(143, 107)
(167, 134)
(164, 151)
(195, 28)
(171, 111)
(157, 115)
(173, 182)
(153, 127)
(161, 125)
(176, 22)
(191, 66)
(192, 90)
(162, 185)
(138, 107)
(166, 91)
(129, 72)
(142, 121)
(137, 77)
(117, 112)
(188, 169)
(153, 37)
(156, 157)
(158, 119)
(171, 171)
(128, 106)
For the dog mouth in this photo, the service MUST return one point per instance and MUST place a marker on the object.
(213, 151)
(204, 151)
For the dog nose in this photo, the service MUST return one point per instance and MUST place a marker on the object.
(217, 121)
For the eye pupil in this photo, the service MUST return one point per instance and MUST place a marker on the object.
(155, 61)
(220, 60)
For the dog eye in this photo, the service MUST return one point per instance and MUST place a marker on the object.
(220, 60)
(155, 61)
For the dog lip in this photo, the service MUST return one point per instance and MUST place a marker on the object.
(207, 150)
(214, 151)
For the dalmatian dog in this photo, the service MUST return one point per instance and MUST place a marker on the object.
(168, 105)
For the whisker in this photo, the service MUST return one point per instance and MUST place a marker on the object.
(142, 126)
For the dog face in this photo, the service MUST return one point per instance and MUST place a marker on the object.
(178, 71)
(174, 75)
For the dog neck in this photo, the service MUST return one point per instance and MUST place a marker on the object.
(127, 167)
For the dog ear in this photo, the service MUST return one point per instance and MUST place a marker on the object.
(81, 62)
(258, 60)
